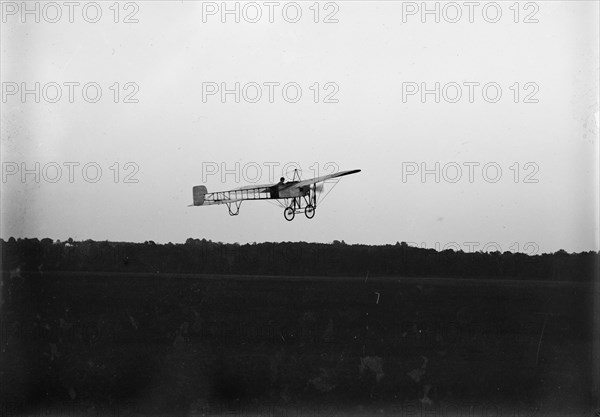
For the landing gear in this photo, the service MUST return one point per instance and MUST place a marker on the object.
(309, 211)
(234, 208)
(305, 202)
(289, 213)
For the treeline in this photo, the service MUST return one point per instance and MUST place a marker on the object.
(291, 258)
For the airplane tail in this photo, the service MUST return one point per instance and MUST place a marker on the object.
(199, 191)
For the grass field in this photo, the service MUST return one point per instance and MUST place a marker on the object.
(143, 344)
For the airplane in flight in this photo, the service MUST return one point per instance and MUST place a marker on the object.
(296, 196)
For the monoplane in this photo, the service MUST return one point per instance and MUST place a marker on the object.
(296, 196)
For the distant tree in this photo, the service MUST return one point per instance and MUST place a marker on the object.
(291, 258)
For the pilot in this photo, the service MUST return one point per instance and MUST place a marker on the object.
(274, 190)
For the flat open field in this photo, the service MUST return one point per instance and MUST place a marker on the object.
(141, 344)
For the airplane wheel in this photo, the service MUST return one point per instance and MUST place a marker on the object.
(309, 211)
(289, 214)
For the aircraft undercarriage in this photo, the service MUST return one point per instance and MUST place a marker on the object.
(306, 204)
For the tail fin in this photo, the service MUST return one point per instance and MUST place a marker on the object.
(199, 191)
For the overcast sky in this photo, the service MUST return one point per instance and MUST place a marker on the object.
(371, 60)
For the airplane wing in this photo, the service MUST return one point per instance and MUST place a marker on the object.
(325, 178)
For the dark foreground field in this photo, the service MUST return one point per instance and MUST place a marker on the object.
(147, 344)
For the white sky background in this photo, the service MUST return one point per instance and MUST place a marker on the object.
(369, 54)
